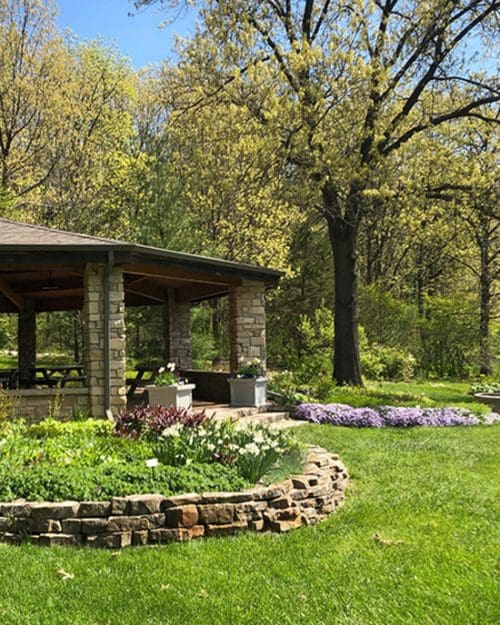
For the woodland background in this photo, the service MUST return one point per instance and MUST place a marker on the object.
(167, 157)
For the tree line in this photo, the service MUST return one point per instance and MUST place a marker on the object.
(351, 144)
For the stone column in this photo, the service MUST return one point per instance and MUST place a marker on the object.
(247, 323)
(26, 339)
(177, 325)
(93, 338)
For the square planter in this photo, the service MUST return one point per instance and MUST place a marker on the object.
(178, 395)
(248, 391)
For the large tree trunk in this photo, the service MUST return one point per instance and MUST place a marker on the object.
(343, 239)
(485, 311)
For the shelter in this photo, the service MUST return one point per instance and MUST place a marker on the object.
(43, 269)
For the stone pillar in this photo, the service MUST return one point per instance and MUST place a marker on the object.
(93, 338)
(26, 340)
(177, 324)
(247, 323)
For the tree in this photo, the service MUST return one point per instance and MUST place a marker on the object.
(93, 183)
(345, 85)
(32, 78)
(468, 187)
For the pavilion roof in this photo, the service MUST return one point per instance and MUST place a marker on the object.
(34, 260)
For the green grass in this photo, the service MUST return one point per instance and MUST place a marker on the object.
(433, 489)
(426, 394)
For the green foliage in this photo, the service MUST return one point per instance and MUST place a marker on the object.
(449, 334)
(388, 320)
(54, 428)
(315, 345)
(485, 386)
(202, 338)
(251, 450)
(83, 460)
(57, 483)
(380, 362)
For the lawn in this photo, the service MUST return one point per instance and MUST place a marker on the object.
(432, 489)
(428, 393)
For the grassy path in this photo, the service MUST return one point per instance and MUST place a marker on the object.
(432, 489)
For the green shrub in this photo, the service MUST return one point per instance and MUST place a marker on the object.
(485, 386)
(286, 389)
(315, 346)
(449, 334)
(102, 482)
(379, 362)
(87, 427)
(7, 410)
(87, 460)
(388, 320)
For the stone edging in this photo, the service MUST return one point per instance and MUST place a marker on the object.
(299, 500)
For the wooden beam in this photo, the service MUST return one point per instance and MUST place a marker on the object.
(146, 290)
(15, 298)
(198, 292)
(179, 275)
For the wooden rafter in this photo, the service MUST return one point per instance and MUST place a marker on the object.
(15, 298)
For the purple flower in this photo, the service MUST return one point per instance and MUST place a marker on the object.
(341, 414)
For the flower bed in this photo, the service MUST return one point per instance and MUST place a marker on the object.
(342, 414)
(302, 499)
(148, 450)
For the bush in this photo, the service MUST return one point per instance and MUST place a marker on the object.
(150, 421)
(387, 320)
(86, 460)
(485, 387)
(316, 344)
(286, 389)
(449, 334)
(379, 362)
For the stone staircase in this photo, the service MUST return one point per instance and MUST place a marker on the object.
(250, 415)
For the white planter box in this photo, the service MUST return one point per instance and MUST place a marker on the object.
(178, 395)
(248, 391)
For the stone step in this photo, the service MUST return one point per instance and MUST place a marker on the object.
(269, 418)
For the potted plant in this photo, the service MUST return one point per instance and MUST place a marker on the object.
(170, 389)
(488, 393)
(248, 385)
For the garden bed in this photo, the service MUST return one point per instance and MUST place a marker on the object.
(302, 499)
(389, 416)
(85, 482)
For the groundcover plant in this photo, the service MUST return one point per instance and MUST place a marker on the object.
(342, 414)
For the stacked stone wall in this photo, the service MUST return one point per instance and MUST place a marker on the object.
(303, 499)
(34, 405)
(247, 323)
(93, 327)
(178, 331)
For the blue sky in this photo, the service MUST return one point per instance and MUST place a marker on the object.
(138, 37)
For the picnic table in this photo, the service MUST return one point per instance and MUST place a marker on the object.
(55, 375)
(8, 378)
(140, 380)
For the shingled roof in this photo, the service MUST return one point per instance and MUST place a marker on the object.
(18, 233)
(18, 239)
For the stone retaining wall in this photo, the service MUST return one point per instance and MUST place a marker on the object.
(302, 499)
(34, 404)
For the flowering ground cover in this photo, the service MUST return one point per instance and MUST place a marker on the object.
(383, 416)
(414, 544)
